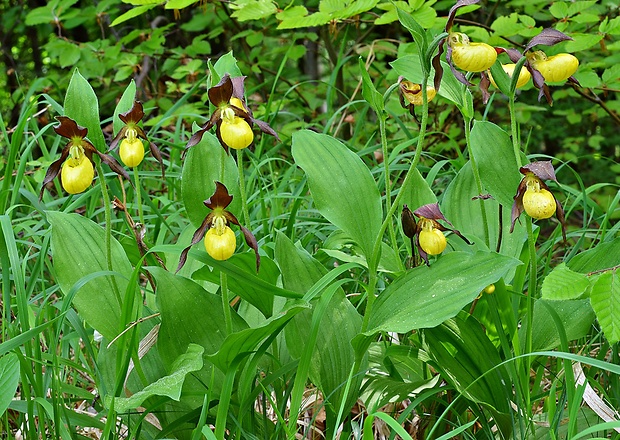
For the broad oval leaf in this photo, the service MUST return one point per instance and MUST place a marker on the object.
(78, 252)
(202, 168)
(169, 386)
(605, 299)
(564, 284)
(576, 316)
(499, 172)
(427, 296)
(466, 215)
(191, 315)
(342, 186)
(82, 105)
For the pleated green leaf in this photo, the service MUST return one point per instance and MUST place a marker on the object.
(369, 92)
(79, 252)
(499, 172)
(427, 296)
(169, 386)
(82, 105)
(563, 283)
(191, 315)
(9, 379)
(605, 299)
(342, 186)
(466, 215)
(201, 169)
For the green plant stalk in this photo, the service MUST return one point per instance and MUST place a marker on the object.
(373, 261)
(479, 187)
(108, 227)
(226, 302)
(136, 176)
(244, 199)
(532, 282)
(386, 171)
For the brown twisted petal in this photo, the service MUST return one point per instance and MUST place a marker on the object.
(197, 237)
(547, 37)
(134, 115)
(53, 170)
(542, 169)
(220, 198)
(68, 128)
(408, 222)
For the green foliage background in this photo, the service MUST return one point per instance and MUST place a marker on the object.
(316, 72)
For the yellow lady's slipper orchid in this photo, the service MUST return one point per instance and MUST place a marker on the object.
(131, 151)
(219, 240)
(555, 68)
(235, 132)
(77, 173)
(432, 241)
(534, 197)
(472, 57)
(232, 118)
(131, 148)
(76, 159)
(427, 232)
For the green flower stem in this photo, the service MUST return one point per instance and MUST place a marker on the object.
(388, 185)
(514, 130)
(108, 227)
(479, 187)
(373, 261)
(244, 199)
(531, 241)
(226, 302)
(136, 176)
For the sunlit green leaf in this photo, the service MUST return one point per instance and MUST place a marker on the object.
(169, 386)
(132, 13)
(201, 169)
(78, 250)
(576, 316)
(82, 105)
(605, 299)
(499, 172)
(602, 256)
(342, 187)
(426, 296)
(563, 283)
(124, 104)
